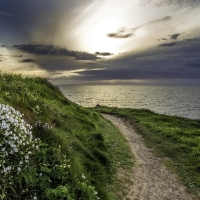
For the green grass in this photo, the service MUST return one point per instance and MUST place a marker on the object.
(175, 139)
(93, 145)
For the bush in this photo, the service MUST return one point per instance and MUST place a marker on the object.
(31, 169)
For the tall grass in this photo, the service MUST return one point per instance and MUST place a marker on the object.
(70, 135)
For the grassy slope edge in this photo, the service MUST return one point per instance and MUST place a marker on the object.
(94, 146)
(175, 139)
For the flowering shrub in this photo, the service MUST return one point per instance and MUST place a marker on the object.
(17, 144)
(30, 169)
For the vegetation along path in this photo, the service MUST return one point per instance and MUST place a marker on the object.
(149, 179)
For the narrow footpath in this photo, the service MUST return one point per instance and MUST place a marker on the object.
(150, 180)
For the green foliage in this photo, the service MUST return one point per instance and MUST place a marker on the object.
(50, 178)
(32, 168)
(71, 136)
(174, 138)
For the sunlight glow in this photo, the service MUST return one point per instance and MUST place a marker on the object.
(94, 23)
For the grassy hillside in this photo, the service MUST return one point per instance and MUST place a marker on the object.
(175, 139)
(77, 153)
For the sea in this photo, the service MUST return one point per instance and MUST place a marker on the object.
(179, 100)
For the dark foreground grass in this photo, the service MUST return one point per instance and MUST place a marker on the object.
(175, 139)
(92, 146)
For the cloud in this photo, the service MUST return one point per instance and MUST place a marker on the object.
(175, 36)
(18, 56)
(172, 37)
(164, 19)
(160, 20)
(193, 40)
(175, 60)
(161, 57)
(28, 60)
(96, 65)
(43, 21)
(40, 49)
(131, 74)
(103, 54)
(173, 3)
(168, 44)
(193, 63)
(186, 41)
(121, 33)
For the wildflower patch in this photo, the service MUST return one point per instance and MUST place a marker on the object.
(30, 169)
(17, 144)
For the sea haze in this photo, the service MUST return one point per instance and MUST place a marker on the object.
(171, 100)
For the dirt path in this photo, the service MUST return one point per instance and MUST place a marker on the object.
(150, 179)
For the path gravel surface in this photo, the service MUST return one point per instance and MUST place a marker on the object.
(149, 179)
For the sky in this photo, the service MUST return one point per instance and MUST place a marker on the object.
(102, 41)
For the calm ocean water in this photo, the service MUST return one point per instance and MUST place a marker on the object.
(171, 100)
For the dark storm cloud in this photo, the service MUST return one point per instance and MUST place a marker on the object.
(175, 36)
(97, 64)
(103, 54)
(173, 3)
(161, 57)
(40, 49)
(168, 44)
(30, 21)
(63, 63)
(171, 37)
(28, 60)
(192, 40)
(121, 33)
(131, 74)
(193, 63)
(178, 61)
(186, 41)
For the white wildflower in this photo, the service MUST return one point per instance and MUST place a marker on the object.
(83, 176)
(3, 149)
(16, 139)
